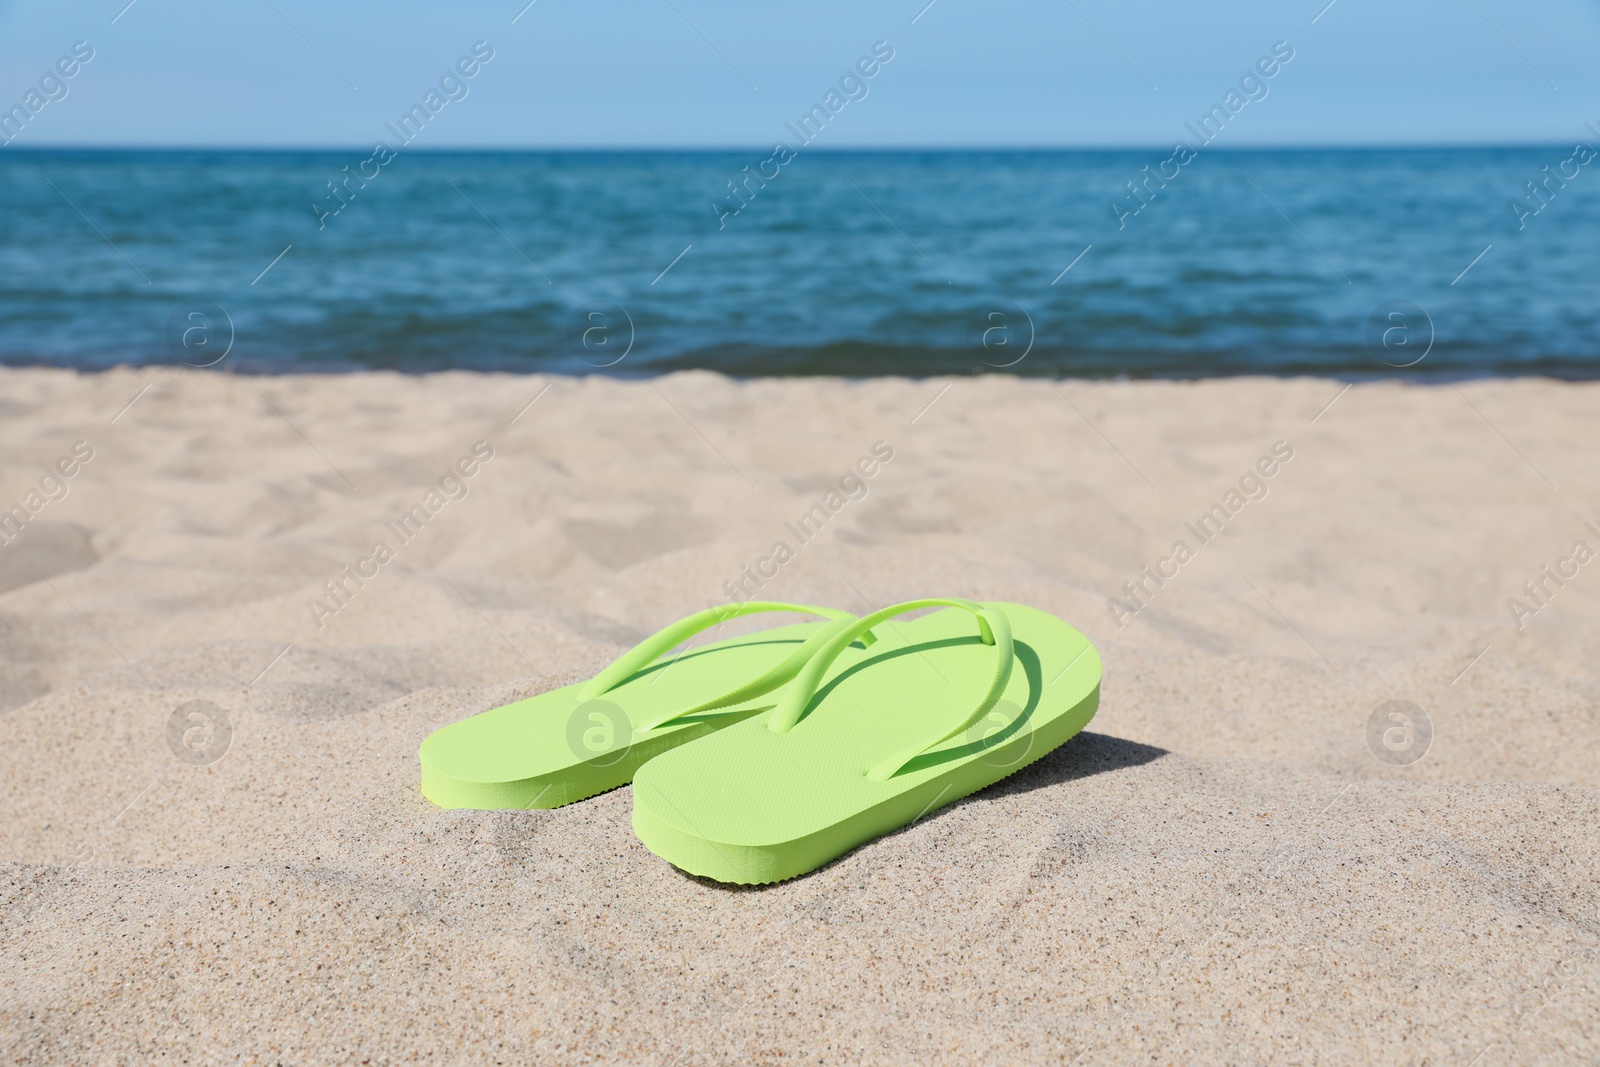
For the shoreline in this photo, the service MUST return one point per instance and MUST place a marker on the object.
(1583, 373)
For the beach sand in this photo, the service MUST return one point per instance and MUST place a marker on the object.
(1218, 870)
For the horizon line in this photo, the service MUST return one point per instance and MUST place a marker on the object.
(1298, 146)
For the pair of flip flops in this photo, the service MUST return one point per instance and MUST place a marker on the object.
(764, 756)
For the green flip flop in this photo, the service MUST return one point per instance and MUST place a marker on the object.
(857, 748)
(569, 744)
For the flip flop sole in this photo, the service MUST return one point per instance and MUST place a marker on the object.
(750, 806)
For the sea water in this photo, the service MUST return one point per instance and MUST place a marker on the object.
(1442, 262)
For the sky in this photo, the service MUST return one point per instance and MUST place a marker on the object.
(713, 73)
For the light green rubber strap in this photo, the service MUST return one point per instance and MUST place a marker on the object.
(658, 644)
(993, 629)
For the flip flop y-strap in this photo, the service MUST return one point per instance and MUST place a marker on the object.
(993, 629)
(663, 641)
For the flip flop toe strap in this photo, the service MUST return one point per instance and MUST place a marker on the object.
(655, 646)
(993, 629)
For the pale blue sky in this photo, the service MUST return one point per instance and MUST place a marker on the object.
(679, 73)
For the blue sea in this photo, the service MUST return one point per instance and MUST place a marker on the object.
(1343, 262)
